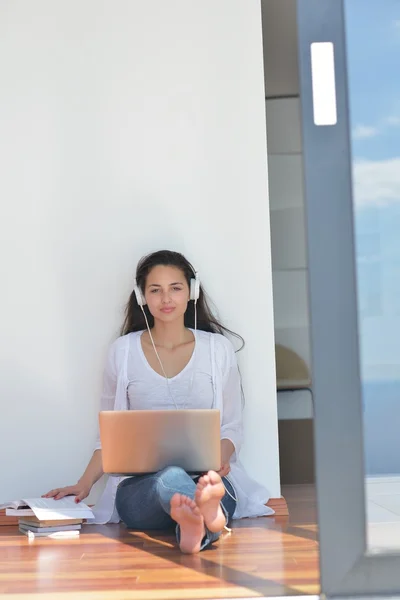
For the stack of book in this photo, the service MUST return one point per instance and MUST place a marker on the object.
(46, 517)
(43, 528)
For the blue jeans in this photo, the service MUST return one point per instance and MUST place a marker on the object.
(143, 502)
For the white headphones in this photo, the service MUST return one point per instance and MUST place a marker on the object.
(194, 290)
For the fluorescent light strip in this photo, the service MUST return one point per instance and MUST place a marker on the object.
(323, 83)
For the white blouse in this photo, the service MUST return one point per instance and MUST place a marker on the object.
(191, 388)
(124, 387)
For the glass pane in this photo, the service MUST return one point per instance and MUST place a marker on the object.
(373, 55)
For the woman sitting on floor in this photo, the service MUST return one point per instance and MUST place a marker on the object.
(202, 373)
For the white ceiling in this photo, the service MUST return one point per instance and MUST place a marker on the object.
(280, 47)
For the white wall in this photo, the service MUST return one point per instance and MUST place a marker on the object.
(127, 126)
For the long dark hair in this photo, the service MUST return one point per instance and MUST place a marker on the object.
(206, 321)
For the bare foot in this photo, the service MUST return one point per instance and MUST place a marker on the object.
(209, 492)
(187, 514)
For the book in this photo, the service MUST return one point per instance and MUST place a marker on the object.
(48, 509)
(18, 512)
(23, 527)
(35, 522)
(57, 535)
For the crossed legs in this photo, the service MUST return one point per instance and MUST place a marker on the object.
(171, 498)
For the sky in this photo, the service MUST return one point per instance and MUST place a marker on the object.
(373, 62)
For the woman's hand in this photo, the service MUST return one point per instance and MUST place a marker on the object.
(80, 490)
(224, 470)
(227, 449)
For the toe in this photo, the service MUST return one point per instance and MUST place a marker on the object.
(214, 477)
(176, 500)
(196, 510)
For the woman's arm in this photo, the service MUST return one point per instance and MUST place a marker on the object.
(93, 471)
(231, 426)
(227, 449)
(81, 490)
(107, 399)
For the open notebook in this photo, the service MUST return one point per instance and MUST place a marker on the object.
(48, 508)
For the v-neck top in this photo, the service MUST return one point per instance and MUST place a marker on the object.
(213, 352)
(191, 388)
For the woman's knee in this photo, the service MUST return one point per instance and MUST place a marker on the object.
(170, 475)
(172, 480)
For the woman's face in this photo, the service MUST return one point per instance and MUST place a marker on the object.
(167, 293)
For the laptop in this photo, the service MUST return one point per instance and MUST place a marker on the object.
(135, 442)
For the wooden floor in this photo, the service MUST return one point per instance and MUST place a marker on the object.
(261, 557)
